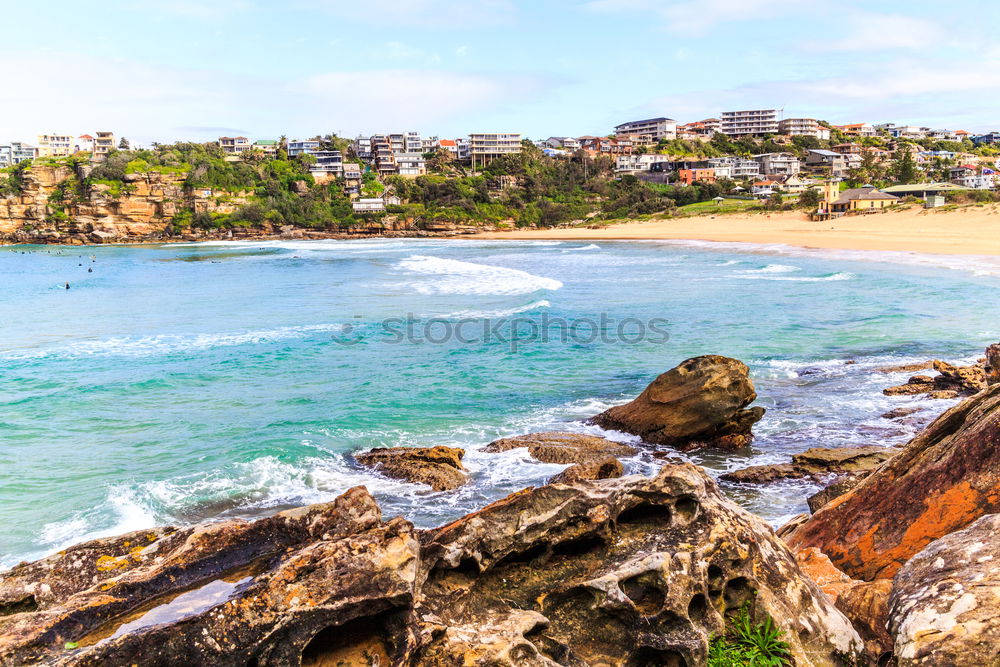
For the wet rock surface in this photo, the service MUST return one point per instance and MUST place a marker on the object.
(816, 463)
(700, 403)
(606, 468)
(951, 382)
(630, 571)
(944, 608)
(560, 447)
(940, 482)
(438, 467)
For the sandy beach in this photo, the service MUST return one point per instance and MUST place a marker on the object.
(969, 231)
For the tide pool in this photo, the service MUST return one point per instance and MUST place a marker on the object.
(179, 383)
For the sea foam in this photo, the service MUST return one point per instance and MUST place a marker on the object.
(452, 276)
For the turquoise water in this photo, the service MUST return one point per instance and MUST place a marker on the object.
(178, 383)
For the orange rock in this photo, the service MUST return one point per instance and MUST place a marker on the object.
(944, 479)
(817, 565)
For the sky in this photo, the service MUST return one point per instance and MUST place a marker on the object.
(197, 69)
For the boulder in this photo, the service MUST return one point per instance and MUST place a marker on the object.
(944, 608)
(940, 482)
(817, 565)
(560, 447)
(993, 364)
(866, 603)
(700, 403)
(438, 467)
(629, 571)
(606, 468)
(816, 463)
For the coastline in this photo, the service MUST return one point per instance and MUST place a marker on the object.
(970, 231)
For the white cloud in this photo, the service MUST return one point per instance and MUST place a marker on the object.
(406, 53)
(865, 31)
(154, 103)
(484, 14)
(698, 16)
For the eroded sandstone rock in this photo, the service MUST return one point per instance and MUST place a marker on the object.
(606, 468)
(630, 571)
(438, 467)
(941, 481)
(561, 447)
(951, 382)
(944, 608)
(816, 463)
(700, 403)
(993, 364)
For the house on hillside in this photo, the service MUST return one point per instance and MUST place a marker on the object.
(969, 176)
(834, 164)
(778, 164)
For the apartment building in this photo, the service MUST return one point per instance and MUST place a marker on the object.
(651, 129)
(383, 156)
(754, 122)
(302, 147)
(412, 143)
(736, 168)
(803, 127)
(778, 164)
(104, 143)
(363, 148)
(327, 162)
(970, 176)
(463, 149)
(634, 164)
(234, 145)
(486, 147)
(564, 143)
(701, 130)
(836, 163)
(411, 164)
(56, 145)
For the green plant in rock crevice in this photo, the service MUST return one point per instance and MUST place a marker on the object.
(749, 644)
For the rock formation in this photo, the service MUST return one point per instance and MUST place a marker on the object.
(631, 571)
(700, 403)
(951, 382)
(606, 468)
(940, 482)
(944, 608)
(993, 364)
(816, 463)
(438, 467)
(560, 447)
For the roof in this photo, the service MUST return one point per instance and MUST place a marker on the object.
(447, 142)
(921, 187)
(862, 194)
(85, 136)
(766, 183)
(648, 120)
(266, 142)
(853, 125)
(824, 153)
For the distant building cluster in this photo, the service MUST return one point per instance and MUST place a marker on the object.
(57, 145)
(633, 146)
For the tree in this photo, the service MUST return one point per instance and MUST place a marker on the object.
(123, 144)
(774, 202)
(809, 199)
(904, 167)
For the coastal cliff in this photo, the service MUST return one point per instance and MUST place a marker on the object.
(58, 203)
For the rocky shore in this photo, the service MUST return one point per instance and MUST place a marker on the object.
(145, 213)
(593, 568)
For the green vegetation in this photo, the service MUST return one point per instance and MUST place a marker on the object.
(749, 644)
(12, 179)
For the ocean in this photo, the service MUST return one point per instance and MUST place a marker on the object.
(178, 383)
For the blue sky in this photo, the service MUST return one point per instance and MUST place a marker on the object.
(194, 69)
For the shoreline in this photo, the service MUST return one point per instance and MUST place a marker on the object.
(974, 232)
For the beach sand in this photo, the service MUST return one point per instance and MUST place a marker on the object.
(968, 231)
